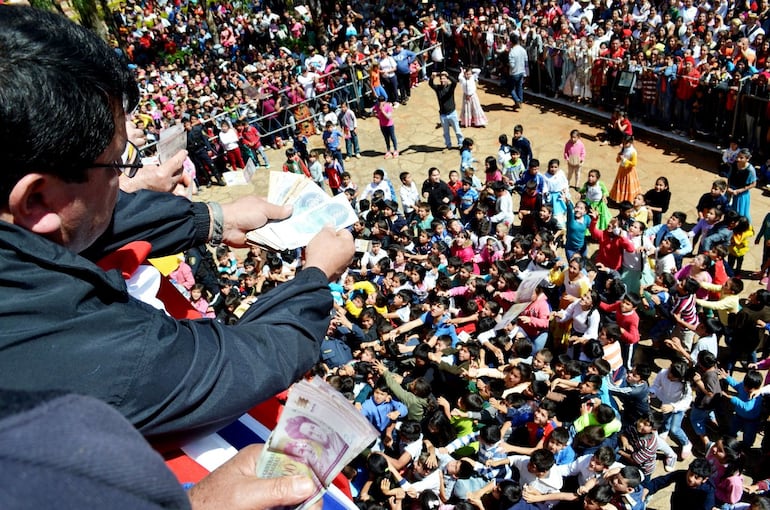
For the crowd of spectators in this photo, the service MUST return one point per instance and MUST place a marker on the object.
(498, 361)
(694, 68)
(502, 365)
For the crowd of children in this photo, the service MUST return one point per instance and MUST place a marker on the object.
(502, 365)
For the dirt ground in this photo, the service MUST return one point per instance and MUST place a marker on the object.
(690, 172)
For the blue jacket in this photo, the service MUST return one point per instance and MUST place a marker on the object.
(403, 59)
(748, 409)
(377, 414)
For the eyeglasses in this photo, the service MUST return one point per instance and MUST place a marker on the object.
(129, 163)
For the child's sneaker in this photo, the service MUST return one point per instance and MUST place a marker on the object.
(687, 451)
(388, 155)
(395, 154)
(669, 464)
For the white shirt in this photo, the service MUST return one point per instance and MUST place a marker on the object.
(410, 195)
(229, 139)
(550, 483)
(675, 393)
(579, 468)
(584, 322)
(504, 208)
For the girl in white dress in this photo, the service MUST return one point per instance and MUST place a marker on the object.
(471, 114)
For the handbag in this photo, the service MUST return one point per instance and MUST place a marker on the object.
(437, 55)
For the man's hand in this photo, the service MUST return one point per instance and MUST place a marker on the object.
(330, 251)
(164, 177)
(235, 485)
(246, 214)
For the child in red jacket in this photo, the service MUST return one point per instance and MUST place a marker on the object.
(627, 320)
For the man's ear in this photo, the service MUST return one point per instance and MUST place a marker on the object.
(31, 203)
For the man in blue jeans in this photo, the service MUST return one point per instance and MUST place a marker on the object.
(517, 60)
(445, 93)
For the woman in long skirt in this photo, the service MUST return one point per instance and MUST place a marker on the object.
(626, 185)
(471, 114)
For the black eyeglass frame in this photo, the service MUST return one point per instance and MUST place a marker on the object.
(128, 169)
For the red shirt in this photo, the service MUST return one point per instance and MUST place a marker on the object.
(628, 321)
(611, 247)
(686, 84)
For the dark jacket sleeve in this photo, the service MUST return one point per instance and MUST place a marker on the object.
(73, 327)
(170, 223)
(197, 376)
(662, 482)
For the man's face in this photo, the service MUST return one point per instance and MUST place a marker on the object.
(85, 209)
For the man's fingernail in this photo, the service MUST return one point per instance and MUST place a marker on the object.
(302, 485)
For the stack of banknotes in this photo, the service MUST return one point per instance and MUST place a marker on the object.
(318, 433)
(313, 209)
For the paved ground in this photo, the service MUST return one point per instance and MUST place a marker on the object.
(690, 172)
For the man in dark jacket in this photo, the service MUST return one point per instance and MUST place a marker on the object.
(445, 93)
(198, 147)
(67, 324)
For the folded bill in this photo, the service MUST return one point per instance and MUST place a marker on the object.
(313, 210)
(318, 433)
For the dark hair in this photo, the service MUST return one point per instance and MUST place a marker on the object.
(700, 467)
(707, 359)
(549, 406)
(473, 402)
(604, 414)
(591, 436)
(542, 459)
(410, 430)
(602, 366)
(560, 435)
(421, 387)
(377, 464)
(63, 88)
(714, 326)
(612, 331)
(605, 455)
(734, 457)
(601, 494)
(632, 476)
(643, 370)
(490, 434)
(593, 379)
(752, 380)
(681, 216)
(429, 500)
(678, 369)
(690, 285)
(438, 429)
(421, 352)
(509, 492)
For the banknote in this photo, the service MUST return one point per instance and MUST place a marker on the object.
(318, 433)
(312, 210)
